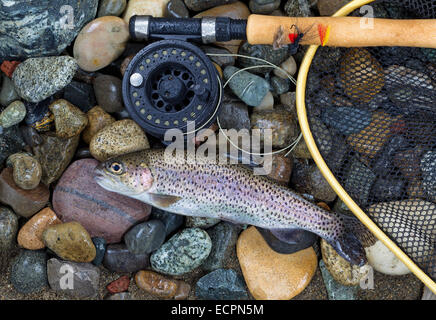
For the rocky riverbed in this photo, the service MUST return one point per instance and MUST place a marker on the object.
(62, 112)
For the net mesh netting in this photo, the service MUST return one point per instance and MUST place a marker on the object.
(372, 112)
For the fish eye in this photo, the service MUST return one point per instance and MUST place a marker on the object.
(116, 167)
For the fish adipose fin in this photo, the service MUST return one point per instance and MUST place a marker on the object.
(162, 200)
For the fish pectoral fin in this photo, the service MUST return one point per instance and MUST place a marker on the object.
(163, 200)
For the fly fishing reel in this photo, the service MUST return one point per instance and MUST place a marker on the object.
(171, 82)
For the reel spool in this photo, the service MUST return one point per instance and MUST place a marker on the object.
(168, 84)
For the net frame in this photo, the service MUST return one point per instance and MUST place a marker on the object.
(325, 170)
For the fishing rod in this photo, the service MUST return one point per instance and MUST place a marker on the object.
(261, 29)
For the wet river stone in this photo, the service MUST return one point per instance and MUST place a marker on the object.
(283, 126)
(11, 141)
(82, 283)
(356, 63)
(223, 237)
(297, 8)
(70, 241)
(336, 290)
(262, 7)
(234, 115)
(156, 284)
(40, 33)
(38, 78)
(155, 8)
(30, 235)
(279, 85)
(100, 248)
(270, 275)
(108, 93)
(119, 259)
(69, 120)
(200, 222)
(145, 237)
(8, 229)
(77, 197)
(13, 114)
(26, 170)
(340, 269)
(265, 52)
(184, 252)
(24, 202)
(111, 8)
(318, 185)
(54, 154)
(428, 169)
(383, 260)
(359, 182)
(100, 42)
(248, 87)
(221, 284)
(29, 271)
(80, 94)
(120, 137)
(97, 120)
(346, 120)
(177, 9)
(8, 94)
(199, 5)
(171, 221)
(119, 285)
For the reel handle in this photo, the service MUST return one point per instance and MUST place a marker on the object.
(343, 31)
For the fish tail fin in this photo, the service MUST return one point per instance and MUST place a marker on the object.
(350, 245)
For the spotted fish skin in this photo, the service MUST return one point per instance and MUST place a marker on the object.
(227, 192)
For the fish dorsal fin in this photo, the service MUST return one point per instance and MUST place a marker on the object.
(163, 200)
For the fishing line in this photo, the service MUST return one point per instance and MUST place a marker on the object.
(268, 64)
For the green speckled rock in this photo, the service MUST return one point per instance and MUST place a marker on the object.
(184, 252)
(29, 271)
(13, 114)
(248, 87)
(201, 222)
(35, 28)
(38, 78)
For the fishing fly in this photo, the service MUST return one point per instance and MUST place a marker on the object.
(291, 39)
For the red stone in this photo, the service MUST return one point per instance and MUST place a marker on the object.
(8, 67)
(77, 197)
(24, 202)
(119, 285)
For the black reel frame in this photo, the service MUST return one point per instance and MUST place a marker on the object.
(172, 82)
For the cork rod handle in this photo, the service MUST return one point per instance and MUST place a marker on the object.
(343, 31)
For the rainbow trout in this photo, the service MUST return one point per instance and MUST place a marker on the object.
(227, 192)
